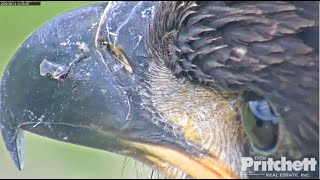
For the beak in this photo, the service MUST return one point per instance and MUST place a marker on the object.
(74, 81)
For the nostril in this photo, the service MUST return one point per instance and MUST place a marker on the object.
(58, 71)
(53, 70)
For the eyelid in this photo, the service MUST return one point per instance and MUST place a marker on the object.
(262, 110)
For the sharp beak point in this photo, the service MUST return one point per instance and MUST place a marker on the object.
(13, 139)
(49, 51)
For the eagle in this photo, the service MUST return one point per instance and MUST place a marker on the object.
(190, 88)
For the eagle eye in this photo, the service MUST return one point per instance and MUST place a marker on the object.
(260, 124)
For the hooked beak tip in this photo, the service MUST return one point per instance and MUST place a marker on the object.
(13, 140)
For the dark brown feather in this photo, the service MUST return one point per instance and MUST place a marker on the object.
(269, 48)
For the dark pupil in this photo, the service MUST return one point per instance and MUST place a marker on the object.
(259, 122)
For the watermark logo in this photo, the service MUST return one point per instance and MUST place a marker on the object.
(278, 168)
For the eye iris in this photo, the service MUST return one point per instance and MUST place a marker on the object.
(260, 124)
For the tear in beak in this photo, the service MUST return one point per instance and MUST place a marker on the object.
(64, 83)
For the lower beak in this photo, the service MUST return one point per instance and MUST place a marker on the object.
(63, 84)
(195, 167)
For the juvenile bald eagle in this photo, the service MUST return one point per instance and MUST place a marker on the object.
(186, 87)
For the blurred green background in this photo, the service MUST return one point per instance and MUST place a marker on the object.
(45, 158)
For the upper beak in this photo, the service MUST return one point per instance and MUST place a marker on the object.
(66, 84)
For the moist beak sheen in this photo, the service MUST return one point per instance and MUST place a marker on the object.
(66, 83)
